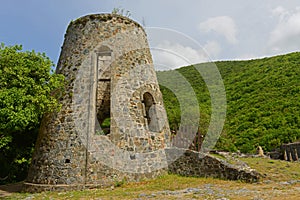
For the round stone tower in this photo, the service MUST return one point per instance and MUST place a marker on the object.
(112, 125)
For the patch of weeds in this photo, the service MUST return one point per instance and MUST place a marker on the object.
(100, 132)
(218, 156)
(120, 183)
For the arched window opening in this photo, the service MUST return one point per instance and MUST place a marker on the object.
(148, 102)
(152, 113)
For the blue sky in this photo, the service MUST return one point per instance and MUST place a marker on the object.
(201, 30)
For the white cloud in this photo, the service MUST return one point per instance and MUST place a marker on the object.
(173, 55)
(279, 12)
(286, 34)
(212, 48)
(222, 25)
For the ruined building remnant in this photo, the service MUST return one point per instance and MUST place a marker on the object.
(112, 125)
(291, 151)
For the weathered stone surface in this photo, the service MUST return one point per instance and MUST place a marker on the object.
(109, 75)
(197, 164)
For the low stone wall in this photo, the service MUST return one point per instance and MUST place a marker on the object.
(197, 164)
(179, 161)
(291, 151)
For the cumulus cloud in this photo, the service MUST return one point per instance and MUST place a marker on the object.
(286, 34)
(222, 25)
(169, 55)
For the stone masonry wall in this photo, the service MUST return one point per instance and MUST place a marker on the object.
(197, 164)
(102, 54)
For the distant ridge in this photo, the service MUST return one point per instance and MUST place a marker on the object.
(263, 101)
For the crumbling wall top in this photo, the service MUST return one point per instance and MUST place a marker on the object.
(104, 18)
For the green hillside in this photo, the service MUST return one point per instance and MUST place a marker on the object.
(263, 101)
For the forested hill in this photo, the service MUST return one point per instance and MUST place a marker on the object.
(263, 101)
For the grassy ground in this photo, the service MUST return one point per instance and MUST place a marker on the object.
(276, 170)
(280, 182)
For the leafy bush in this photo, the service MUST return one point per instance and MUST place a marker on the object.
(26, 85)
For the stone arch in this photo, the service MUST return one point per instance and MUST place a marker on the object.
(152, 112)
(104, 51)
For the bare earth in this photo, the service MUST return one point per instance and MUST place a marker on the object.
(6, 190)
(232, 190)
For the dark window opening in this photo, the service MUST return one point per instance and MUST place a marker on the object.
(103, 90)
(152, 113)
(148, 102)
(103, 108)
(67, 161)
(105, 126)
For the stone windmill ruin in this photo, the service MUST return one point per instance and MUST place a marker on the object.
(112, 125)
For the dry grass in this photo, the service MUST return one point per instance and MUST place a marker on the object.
(275, 170)
(274, 186)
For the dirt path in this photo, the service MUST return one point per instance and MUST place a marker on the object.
(231, 191)
(6, 190)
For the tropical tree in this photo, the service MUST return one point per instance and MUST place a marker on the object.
(28, 89)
